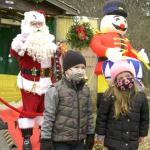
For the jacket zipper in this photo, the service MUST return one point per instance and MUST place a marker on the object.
(78, 128)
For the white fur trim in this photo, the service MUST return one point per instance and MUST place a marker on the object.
(39, 120)
(34, 16)
(41, 86)
(25, 123)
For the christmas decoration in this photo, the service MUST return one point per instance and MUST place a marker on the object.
(80, 35)
(111, 45)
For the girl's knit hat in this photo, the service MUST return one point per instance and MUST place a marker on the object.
(119, 67)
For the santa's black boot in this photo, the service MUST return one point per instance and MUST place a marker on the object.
(26, 134)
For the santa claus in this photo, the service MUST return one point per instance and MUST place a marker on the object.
(111, 45)
(34, 49)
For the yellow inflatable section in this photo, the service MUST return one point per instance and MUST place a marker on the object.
(102, 84)
(8, 88)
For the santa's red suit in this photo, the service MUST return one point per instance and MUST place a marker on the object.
(35, 51)
(33, 79)
(102, 41)
(32, 72)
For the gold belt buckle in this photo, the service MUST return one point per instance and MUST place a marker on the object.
(42, 71)
(33, 71)
(50, 71)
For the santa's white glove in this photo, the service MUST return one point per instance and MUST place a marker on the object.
(24, 36)
(144, 56)
(114, 54)
(21, 52)
(17, 45)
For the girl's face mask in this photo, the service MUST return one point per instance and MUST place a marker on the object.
(125, 84)
(124, 81)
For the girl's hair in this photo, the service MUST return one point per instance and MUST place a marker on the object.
(123, 99)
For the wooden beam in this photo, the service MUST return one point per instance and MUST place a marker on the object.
(69, 9)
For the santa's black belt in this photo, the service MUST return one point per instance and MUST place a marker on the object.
(44, 72)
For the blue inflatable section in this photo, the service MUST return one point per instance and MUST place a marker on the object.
(136, 64)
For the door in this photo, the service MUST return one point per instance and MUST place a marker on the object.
(8, 65)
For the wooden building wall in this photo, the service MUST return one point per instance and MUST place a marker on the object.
(62, 27)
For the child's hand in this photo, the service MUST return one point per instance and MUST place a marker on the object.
(141, 140)
(99, 141)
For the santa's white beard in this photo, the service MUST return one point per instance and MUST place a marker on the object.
(40, 45)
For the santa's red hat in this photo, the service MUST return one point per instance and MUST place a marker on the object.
(41, 12)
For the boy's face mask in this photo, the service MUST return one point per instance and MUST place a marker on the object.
(76, 74)
(125, 83)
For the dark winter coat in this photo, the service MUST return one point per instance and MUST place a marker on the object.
(123, 133)
(68, 113)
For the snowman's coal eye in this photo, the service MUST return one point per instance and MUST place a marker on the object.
(117, 19)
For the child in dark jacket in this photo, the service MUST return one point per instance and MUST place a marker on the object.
(68, 119)
(123, 116)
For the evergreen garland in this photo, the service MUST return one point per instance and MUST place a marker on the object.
(79, 35)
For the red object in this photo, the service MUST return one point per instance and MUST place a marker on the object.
(102, 41)
(27, 62)
(27, 114)
(32, 103)
(10, 116)
(122, 26)
(81, 32)
(41, 12)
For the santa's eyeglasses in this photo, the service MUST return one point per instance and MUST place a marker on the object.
(36, 24)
